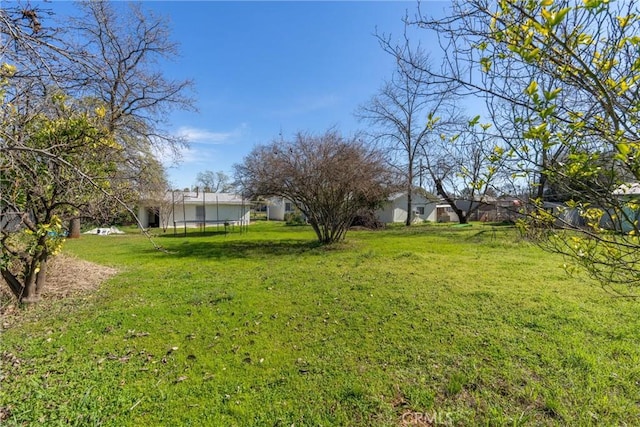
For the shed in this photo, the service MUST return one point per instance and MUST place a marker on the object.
(278, 207)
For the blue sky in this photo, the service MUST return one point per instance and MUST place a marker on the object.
(261, 68)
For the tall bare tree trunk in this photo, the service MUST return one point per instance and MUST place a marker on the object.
(74, 228)
(462, 218)
(409, 195)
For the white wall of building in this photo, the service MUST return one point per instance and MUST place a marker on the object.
(194, 209)
(278, 207)
(212, 214)
(396, 209)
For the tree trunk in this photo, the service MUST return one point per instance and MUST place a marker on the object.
(14, 284)
(30, 290)
(409, 195)
(74, 228)
(36, 283)
(462, 219)
(409, 208)
(41, 277)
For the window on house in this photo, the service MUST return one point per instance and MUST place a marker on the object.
(288, 207)
(420, 210)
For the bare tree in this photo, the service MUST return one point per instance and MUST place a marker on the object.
(82, 107)
(402, 109)
(464, 165)
(217, 182)
(329, 178)
(120, 68)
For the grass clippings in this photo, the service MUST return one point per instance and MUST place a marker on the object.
(68, 277)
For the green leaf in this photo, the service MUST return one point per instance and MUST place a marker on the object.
(623, 148)
(557, 17)
(532, 88)
(592, 4)
(485, 62)
(551, 95)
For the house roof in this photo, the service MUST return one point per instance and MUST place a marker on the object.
(628, 189)
(200, 197)
(416, 192)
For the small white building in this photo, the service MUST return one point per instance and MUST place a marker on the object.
(627, 216)
(445, 213)
(195, 209)
(278, 207)
(630, 190)
(423, 205)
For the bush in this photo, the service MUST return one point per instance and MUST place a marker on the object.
(367, 219)
(294, 218)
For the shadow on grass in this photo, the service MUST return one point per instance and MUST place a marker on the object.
(497, 232)
(241, 249)
(181, 235)
(508, 224)
(481, 234)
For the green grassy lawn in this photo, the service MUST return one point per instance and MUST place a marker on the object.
(432, 324)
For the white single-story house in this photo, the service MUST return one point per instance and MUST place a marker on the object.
(629, 190)
(194, 209)
(629, 216)
(278, 207)
(423, 205)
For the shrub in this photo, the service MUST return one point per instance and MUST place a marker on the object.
(294, 218)
(367, 218)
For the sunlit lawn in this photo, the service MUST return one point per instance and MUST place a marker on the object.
(463, 326)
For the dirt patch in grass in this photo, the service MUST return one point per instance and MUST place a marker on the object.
(68, 277)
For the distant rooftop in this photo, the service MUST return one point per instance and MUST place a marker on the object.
(201, 196)
(631, 188)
